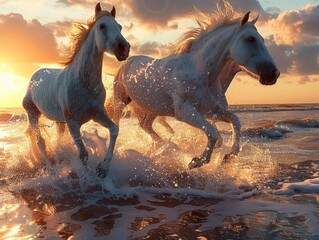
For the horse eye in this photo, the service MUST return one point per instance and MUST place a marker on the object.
(251, 39)
(102, 26)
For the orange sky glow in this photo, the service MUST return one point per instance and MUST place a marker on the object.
(31, 37)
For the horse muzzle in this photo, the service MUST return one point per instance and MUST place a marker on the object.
(269, 74)
(122, 50)
(269, 78)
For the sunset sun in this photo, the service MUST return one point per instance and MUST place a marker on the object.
(12, 89)
(159, 119)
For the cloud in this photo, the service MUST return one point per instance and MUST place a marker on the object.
(306, 60)
(24, 45)
(273, 10)
(305, 79)
(149, 48)
(90, 4)
(283, 54)
(154, 49)
(299, 60)
(61, 28)
(160, 14)
(165, 13)
(297, 26)
(78, 3)
(295, 42)
(23, 41)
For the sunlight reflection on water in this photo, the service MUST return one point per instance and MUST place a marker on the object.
(151, 191)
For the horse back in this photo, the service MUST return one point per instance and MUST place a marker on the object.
(147, 82)
(43, 91)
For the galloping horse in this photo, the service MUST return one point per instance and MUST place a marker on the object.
(189, 85)
(74, 95)
(146, 118)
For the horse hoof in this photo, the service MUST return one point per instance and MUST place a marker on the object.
(101, 172)
(227, 158)
(197, 162)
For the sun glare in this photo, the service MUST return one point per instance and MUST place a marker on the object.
(12, 88)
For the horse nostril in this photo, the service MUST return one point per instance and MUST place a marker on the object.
(275, 74)
(121, 46)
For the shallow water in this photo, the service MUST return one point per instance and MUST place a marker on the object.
(269, 192)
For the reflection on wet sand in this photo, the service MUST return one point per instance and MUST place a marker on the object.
(269, 192)
(151, 218)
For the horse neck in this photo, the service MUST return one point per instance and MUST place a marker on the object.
(227, 74)
(212, 51)
(87, 64)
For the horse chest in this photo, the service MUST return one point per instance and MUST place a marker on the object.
(202, 97)
(203, 100)
(75, 100)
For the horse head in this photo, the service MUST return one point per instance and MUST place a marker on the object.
(108, 35)
(249, 51)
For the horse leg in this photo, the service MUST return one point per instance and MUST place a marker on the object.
(165, 124)
(102, 118)
(187, 113)
(60, 127)
(146, 120)
(34, 131)
(231, 118)
(146, 123)
(35, 134)
(34, 124)
(219, 142)
(74, 128)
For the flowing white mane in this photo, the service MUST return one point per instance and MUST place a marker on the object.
(79, 35)
(207, 22)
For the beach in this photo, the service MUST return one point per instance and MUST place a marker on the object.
(270, 191)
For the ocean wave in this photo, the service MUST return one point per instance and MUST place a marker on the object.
(307, 186)
(277, 130)
(273, 108)
(4, 117)
(266, 131)
(12, 117)
(300, 123)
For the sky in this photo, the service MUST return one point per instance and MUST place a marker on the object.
(34, 34)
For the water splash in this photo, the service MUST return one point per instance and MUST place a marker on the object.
(144, 185)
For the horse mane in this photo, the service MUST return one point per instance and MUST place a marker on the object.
(80, 32)
(207, 22)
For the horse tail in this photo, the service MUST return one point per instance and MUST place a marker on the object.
(119, 99)
(109, 106)
(109, 103)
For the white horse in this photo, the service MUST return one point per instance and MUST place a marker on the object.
(189, 84)
(75, 94)
(147, 118)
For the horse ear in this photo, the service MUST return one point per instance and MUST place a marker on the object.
(113, 12)
(245, 18)
(255, 20)
(98, 8)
